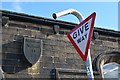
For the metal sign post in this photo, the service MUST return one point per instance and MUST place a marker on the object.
(89, 67)
(80, 36)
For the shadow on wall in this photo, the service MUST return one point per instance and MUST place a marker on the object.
(13, 59)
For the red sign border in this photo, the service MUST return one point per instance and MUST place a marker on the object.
(84, 57)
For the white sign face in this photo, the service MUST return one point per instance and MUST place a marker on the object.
(80, 36)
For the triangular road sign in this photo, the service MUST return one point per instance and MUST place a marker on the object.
(81, 35)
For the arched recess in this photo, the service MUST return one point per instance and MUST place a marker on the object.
(104, 58)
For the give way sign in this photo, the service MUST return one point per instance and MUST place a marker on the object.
(81, 35)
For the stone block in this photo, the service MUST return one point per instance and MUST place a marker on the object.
(48, 65)
(11, 76)
(23, 61)
(61, 60)
(70, 55)
(47, 59)
(21, 70)
(24, 76)
(47, 47)
(45, 71)
(48, 53)
(10, 30)
(14, 56)
(10, 62)
(11, 50)
(39, 34)
(8, 69)
(13, 44)
(62, 65)
(32, 27)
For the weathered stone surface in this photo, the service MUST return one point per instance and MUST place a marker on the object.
(57, 51)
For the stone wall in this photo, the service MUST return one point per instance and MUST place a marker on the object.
(58, 56)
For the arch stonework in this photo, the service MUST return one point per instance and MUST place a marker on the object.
(104, 58)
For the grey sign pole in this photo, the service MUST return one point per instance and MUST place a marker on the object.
(89, 67)
(81, 18)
